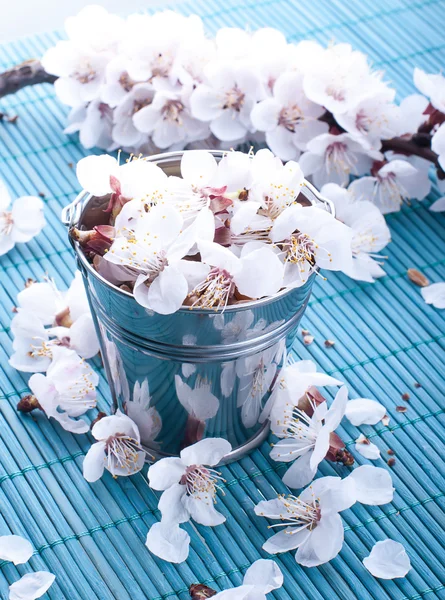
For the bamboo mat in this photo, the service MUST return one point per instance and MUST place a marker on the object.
(92, 536)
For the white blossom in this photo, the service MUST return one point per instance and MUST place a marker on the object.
(394, 183)
(117, 449)
(370, 234)
(146, 417)
(67, 391)
(20, 222)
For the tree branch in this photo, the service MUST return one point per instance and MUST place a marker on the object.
(27, 73)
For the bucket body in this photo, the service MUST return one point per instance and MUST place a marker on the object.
(196, 373)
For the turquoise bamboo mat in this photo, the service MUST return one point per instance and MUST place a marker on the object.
(92, 536)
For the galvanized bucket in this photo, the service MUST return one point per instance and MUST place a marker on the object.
(195, 373)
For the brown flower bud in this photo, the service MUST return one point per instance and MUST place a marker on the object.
(28, 404)
(63, 318)
(199, 591)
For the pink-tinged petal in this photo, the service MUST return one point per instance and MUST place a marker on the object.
(300, 473)
(324, 542)
(227, 127)
(202, 509)
(15, 549)
(366, 448)
(207, 452)
(172, 506)
(44, 391)
(93, 173)
(434, 294)
(289, 539)
(165, 472)
(31, 586)
(373, 485)
(94, 462)
(388, 560)
(69, 424)
(265, 575)
(169, 542)
(206, 103)
(363, 411)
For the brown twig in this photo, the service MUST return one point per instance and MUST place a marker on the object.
(27, 73)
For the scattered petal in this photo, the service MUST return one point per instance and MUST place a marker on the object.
(367, 448)
(364, 411)
(388, 560)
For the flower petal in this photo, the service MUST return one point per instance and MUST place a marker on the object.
(286, 540)
(202, 509)
(366, 448)
(172, 506)
(31, 586)
(166, 294)
(94, 462)
(324, 542)
(434, 294)
(300, 473)
(261, 274)
(388, 560)
(265, 575)
(337, 409)
(165, 472)
(169, 542)
(198, 167)
(373, 485)
(364, 411)
(206, 452)
(93, 173)
(15, 548)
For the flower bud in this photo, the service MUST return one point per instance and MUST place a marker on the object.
(199, 591)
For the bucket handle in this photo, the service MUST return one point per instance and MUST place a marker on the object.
(71, 213)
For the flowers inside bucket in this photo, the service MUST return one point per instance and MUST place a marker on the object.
(198, 267)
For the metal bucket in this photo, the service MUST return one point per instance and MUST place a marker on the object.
(195, 373)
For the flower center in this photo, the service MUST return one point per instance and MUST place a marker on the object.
(138, 104)
(78, 392)
(123, 451)
(171, 111)
(289, 117)
(297, 425)
(234, 99)
(338, 159)
(85, 75)
(389, 191)
(300, 249)
(333, 92)
(126, 82)
(44, 349)
(215, 291)
(201, 480)
(297, 513)
(6, 223)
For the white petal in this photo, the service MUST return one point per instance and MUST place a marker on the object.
(434, 294)
(333, 493)
(321, 447)
(206, 452)
(337, 409)
(438, 205)
(366, 448)
(169, 542)
(286, 540)
(117, 423)
(265, 115)
(363, 411)
(261, 274)
(171, 504)
(264, 574)
(373, 485)
(27, 214)
(300, 473)
(202, 509)
(15, 548)
(227, 127)
(93, 173)
(41, 299)
(165, 472)
(167, 293)
(388, 560)
(218, 256)
(31, 586)
(283, 143)
(205, 103)
(69, 424)
(94, 462)
(324, 543)
(198, 167)
(83, 338)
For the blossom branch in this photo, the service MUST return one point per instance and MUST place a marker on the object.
(26, 73)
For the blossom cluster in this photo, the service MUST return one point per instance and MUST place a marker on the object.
(53, 335)
(155, 82)
(222, 233)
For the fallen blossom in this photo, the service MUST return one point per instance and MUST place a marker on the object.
(15, 549)
(367, 448)
(388, 560)
(434, 294)
(31, 586)
(117, 449)
(363, 411)
(20, 222)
